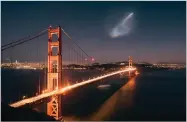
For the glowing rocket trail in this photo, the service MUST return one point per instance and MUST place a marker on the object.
(122, 28)
(127, 18)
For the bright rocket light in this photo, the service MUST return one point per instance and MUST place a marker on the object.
(62, 90)
(122, 28)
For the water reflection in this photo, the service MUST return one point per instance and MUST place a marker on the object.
(123, 98)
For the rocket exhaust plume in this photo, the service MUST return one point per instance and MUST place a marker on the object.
(122, 28)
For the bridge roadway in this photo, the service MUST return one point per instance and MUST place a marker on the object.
(62, 90)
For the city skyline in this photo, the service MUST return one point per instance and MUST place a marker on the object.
(157, 32)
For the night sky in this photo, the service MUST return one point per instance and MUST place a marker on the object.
(158, 31)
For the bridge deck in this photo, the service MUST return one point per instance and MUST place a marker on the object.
(62, 90)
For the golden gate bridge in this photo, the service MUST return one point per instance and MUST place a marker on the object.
(55, 80)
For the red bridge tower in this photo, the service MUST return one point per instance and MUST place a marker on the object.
(130, 62)
(54, 77)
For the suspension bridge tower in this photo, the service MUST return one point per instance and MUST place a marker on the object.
(54, 75)
(130, 65)
(130, 62)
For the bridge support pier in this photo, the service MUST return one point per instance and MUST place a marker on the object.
(54, 76)
(54, 107)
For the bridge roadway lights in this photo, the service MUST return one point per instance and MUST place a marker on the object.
(62, 90)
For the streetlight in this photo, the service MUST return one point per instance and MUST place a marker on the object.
(24, 97)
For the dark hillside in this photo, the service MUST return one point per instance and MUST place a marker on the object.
(22, 114)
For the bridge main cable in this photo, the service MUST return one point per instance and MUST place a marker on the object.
(62, 90)
(23, 40)
(75, 43)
